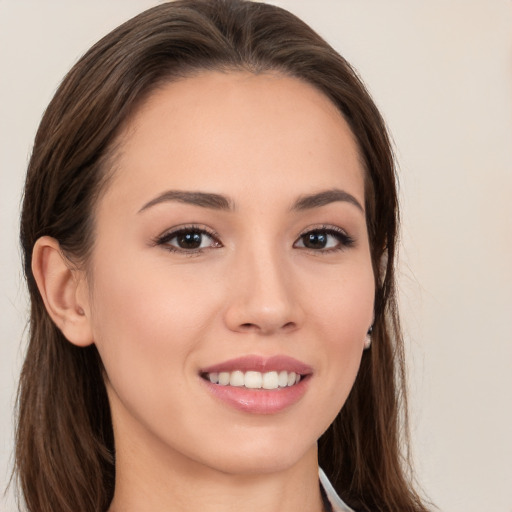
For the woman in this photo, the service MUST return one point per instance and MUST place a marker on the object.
(209, 229)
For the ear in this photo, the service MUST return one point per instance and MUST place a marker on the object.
(64, 291)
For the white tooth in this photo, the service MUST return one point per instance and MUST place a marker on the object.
(253, 380)
(270, 380)
(283, 379)
(224, 378)
(291, 378)
(237, 378)
(214, 377)
(297, 379)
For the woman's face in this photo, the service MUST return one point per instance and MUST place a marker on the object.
(231, 257)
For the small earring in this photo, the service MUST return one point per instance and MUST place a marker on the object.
(368, 339)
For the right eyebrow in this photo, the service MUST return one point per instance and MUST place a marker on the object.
(202, 199)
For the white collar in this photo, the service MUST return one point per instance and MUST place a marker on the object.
(337, 503)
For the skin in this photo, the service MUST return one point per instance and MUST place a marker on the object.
(159, 316)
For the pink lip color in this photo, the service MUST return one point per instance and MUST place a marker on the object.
(260, 401)
(260, 364)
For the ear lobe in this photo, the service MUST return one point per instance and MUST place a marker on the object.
(61, 288)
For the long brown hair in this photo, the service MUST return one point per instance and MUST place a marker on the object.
(65, 454)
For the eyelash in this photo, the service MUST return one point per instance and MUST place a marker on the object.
(344, 240)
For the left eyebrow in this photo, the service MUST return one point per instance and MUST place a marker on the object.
(324, 198)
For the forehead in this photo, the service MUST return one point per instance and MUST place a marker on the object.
(235, 132)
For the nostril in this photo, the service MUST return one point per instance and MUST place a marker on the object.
(252, 326)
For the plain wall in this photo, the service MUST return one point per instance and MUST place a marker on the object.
(441, 73)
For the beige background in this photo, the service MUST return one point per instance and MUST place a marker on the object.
(441, 72)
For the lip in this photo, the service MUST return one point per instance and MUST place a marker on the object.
(260, 364)
(259, 401)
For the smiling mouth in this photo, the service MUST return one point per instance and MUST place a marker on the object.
(258, 384)
(254, 380)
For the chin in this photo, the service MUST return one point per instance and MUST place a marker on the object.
(261, 464)
(261, 454)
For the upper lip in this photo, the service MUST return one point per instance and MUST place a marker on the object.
(260, 364)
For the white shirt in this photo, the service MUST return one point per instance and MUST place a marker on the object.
(337, 503)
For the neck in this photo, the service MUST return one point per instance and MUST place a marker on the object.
(155, 484)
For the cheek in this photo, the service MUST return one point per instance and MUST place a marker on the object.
(344, 304)
(138, 299)
(146, 321)
(341, 316)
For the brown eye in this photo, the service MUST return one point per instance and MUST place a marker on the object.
(188, 240)
(328, 239)
(315, 240)
(192, 240)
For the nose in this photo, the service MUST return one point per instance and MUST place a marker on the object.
(264, 297)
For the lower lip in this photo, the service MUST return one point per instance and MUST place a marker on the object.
(259, 401)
